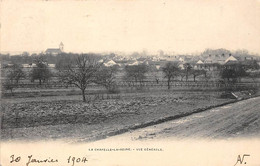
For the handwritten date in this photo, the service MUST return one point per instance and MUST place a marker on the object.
(74, 160)
(31, 159)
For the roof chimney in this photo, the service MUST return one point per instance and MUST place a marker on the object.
(229, 54)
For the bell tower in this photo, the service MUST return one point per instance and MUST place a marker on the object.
(61, 46)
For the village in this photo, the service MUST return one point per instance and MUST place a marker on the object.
(92, 89)
(210, 60)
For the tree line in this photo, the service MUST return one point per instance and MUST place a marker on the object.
(85, 69)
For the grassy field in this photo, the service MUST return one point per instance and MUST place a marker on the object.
(68, 117)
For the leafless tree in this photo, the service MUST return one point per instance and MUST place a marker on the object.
(187, 70)
(81, 72)
(170, 71)
(106, 77)
(196, 73)
(136, 73)
(9, 85)
(15, 73)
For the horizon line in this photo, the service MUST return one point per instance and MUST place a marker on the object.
(148, 53)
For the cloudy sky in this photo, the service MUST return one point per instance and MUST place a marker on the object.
(185, 26)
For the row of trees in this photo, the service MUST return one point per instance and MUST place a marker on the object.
(230, 73)
(15, 73)
(80, 71)
(171, 70)
(85, 69)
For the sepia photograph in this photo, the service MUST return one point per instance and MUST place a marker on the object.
(129, 82)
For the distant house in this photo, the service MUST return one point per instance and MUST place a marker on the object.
(231, 59)
(133, 63)
(211, 59)
(154, 58)
(172, 58)
(101, 61)
(220, 59)
(29, 65)
(110, 63)
(55, 51)
(146, 62)
(200, 62)
(51, 65)
(141, 59)
(26, 65)
(181, 66)
(181, 59)
(213, 62)
(199, 65)
(6, 64)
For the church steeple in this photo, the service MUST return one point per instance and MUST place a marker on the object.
(61, 46)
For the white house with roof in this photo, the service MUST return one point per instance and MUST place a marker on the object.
(220, 59)
(133, 63)
(199, 64)
(181, 59)
(231, 59)
(209, 60)
(110, 63)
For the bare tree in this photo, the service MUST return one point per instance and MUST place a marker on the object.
(81, 72)
(187, 70)
(8, 85)
(196, 73)
(136, 73)
(155, 73)
(182, 74)
(15, 73)
(170, 71)
(106, 77)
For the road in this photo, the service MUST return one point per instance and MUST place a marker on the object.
(241, 119)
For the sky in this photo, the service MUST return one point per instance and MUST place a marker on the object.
(186, 26)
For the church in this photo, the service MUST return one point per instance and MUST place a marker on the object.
(55, 51)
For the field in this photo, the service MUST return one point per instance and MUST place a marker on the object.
(53, 110)
(56, 117)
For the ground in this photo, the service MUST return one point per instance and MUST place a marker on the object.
(68, 117)
(239, 119)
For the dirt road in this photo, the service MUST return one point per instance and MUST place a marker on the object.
(241, 119)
